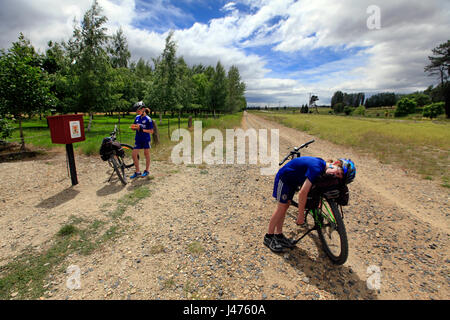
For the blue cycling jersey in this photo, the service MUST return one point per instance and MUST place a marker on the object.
(148, 124)
(297, 170)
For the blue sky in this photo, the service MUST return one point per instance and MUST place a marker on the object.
(284, 49)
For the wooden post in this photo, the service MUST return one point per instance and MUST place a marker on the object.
(155, 134)
(73, 169)
(190, 122)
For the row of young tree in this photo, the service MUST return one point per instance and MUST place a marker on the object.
(92, 72)
(432, 101)
(405, 103)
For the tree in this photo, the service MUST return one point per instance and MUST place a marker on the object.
(312, 102)
(118, 50)
(383, 99)
(339, 107)
(218, 89)
(90, 61)
(338, 97)
(185, 85)
(440, 66)
(24, 86)
(165, 91)
(201, 89)
(420, 98)
(57, 63)
(235, 90)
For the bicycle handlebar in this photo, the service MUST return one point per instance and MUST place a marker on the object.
(114, 133)
(305, 145)
(296, 151)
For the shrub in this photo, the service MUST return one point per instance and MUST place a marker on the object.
(421, 99)
(5, 129)
(360, 111)
(348, 110)
(433, 110)
(405, 106)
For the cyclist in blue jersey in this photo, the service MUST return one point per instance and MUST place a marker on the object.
(143, 126)
(300, 172)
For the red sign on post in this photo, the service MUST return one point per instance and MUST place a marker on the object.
(67, 128)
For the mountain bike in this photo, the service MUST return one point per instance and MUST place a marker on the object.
(324, 205)
(118, 155)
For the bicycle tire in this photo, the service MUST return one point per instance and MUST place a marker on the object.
(339, 256)
(128, 157)
(119, 169)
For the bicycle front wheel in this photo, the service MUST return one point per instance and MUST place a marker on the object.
(119, 168)
(332, 233)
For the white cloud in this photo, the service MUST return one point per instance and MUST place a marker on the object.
(391, 58)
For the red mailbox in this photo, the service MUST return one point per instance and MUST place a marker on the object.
(67, 128)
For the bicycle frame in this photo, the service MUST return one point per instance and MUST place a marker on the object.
(317, 213)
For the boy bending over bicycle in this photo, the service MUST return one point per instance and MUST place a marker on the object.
(300, 172)
(143, 126)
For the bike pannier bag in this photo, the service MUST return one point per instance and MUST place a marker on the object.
(118, 148)
(106, 149)
(343, 195)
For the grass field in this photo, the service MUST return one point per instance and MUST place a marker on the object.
(420, 146)
(379, 113)
(38, 135)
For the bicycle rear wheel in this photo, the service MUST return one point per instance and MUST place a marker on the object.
(332, 233)
(119, 168)
(128, 155)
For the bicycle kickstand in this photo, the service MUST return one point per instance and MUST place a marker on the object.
(306, 233)
(109, 180)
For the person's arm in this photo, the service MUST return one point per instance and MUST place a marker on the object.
(148, 131)
(142, 129)
(302, 198)
(148, 128)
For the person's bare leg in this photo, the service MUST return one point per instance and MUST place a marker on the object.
(135, 159)
(147, 159)
(277, 220)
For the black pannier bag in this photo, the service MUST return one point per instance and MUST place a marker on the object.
(343, 195)
(331, 187)
(106, 149)
(118, 148)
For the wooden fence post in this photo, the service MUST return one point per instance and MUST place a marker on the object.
(155, 134)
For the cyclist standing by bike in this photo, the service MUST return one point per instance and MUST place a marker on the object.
(300, 172)
(143, 126)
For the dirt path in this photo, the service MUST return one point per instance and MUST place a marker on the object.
(199, 233)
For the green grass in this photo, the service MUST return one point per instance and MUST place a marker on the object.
(67, 230)
(195, 248)
(420, 146)
(159, 248)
